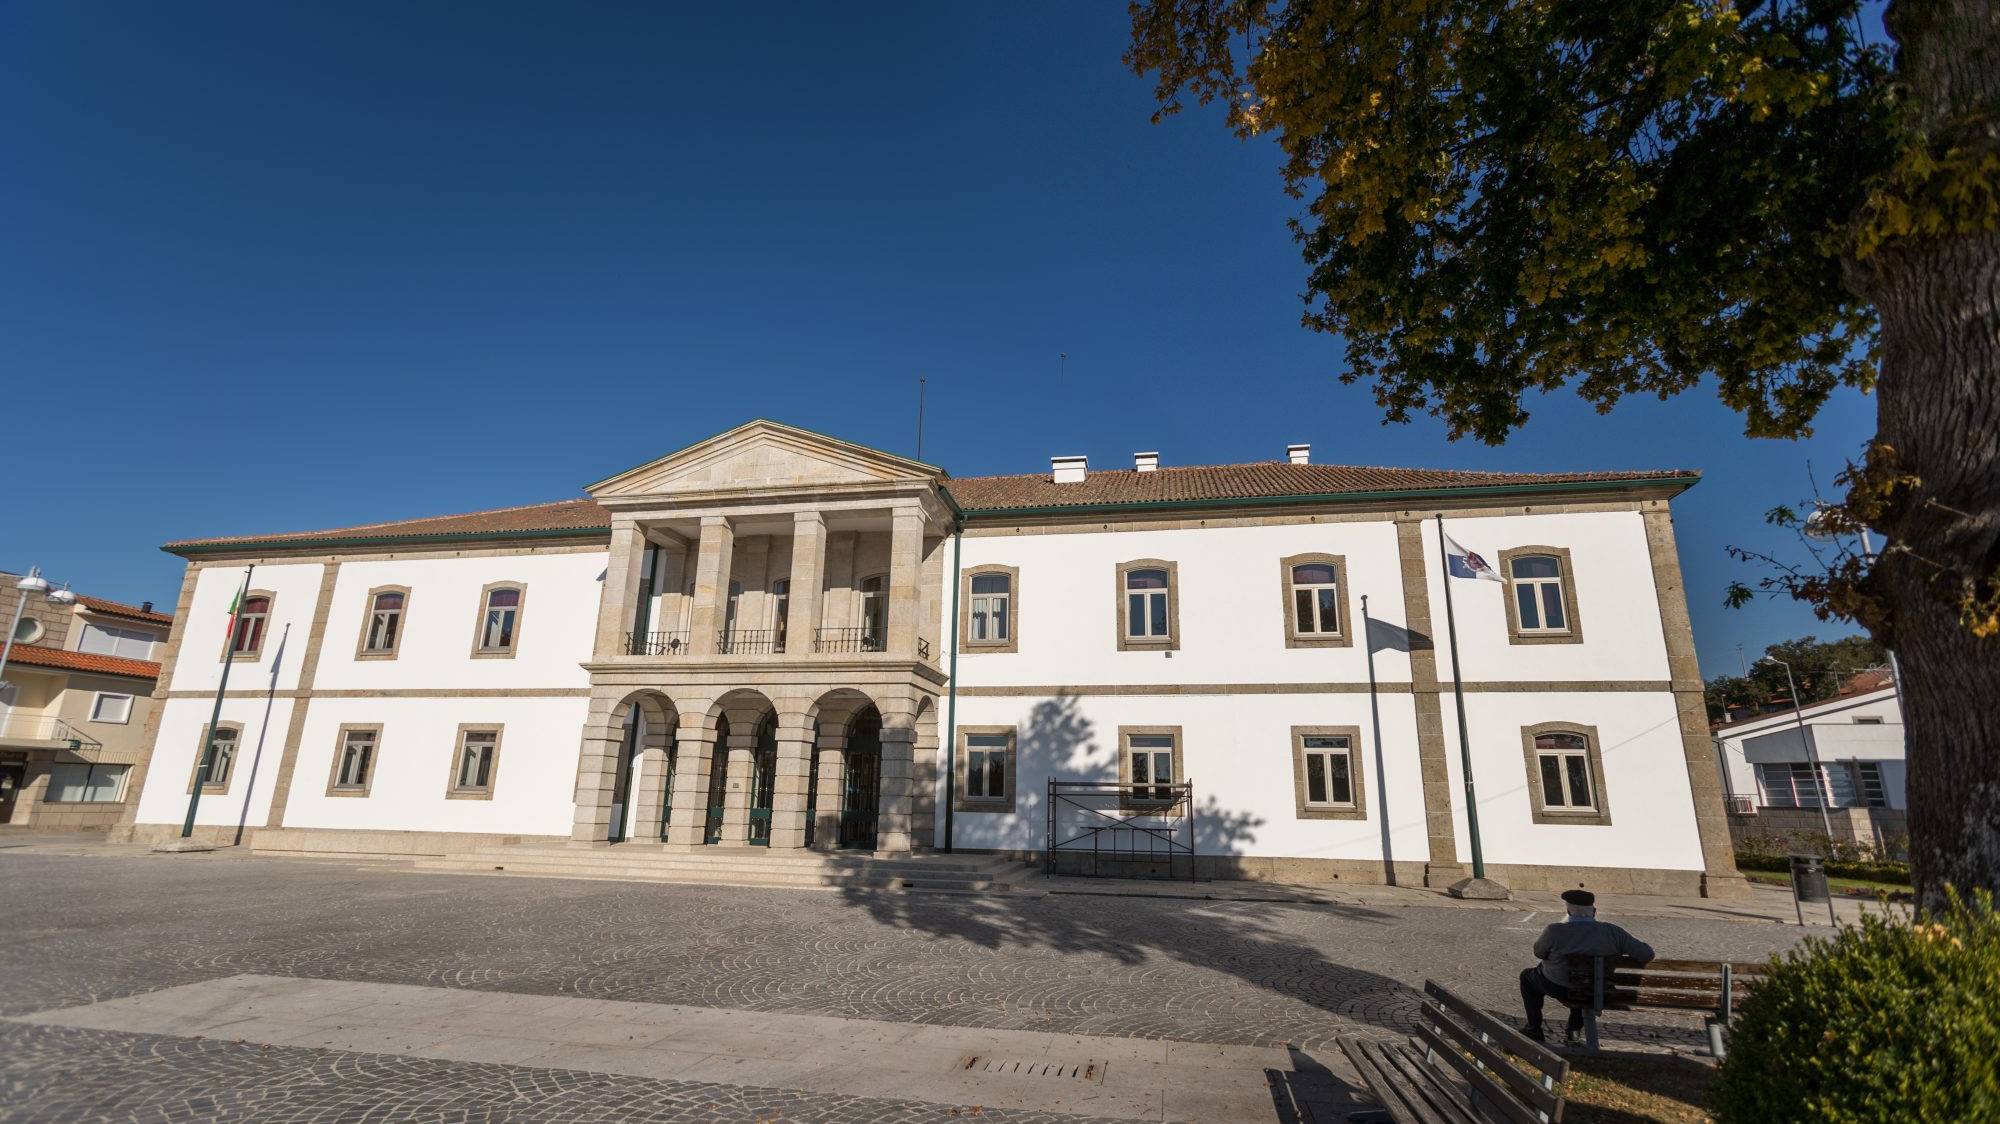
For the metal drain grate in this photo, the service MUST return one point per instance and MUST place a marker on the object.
(1090, 1069)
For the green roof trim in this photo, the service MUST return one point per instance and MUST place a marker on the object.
(1682, 482)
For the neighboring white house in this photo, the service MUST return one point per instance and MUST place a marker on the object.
(1848, 758)
(751, 641)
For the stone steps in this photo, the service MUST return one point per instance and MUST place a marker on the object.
(738, 866)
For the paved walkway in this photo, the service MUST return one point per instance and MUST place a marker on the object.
(1125, 981)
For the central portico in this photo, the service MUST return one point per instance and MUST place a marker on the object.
(765, 662)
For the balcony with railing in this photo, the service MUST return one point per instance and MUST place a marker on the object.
(657, 643)
(848, 640)
(749, 642)
(41, 731)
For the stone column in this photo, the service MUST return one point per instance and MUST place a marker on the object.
(808, 579)
(650, 788)
(1442, 867)
(621, 586)
(694, 748)
(832, 781)
(924, 782)
(892, 820)
(930, 605)
(742, 771)
(597, 770)
(711, 582)
(788, 801)
(906, 555)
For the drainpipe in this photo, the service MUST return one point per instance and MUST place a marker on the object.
(951, 687)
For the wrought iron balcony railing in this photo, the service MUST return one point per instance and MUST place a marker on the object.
(46, 728)
(748, 642)
(849, 640)
(657, 643)
(923, 649)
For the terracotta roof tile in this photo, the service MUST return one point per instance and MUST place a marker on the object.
(582, 516)
(121, 609)
(1247, 482)
(37, 656)
(1264, 480)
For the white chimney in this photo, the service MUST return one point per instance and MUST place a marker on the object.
(1299, 454)
(1145, 462)
(1069, 470)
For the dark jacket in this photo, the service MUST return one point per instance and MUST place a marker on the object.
(1565, 939)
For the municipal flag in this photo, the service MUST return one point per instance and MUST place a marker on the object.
(1463, 563)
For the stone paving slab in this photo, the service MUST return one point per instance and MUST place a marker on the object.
(1105, 1077)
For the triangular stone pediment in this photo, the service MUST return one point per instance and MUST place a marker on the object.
(763, 456)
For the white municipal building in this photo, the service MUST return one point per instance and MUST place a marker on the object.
(778, 638)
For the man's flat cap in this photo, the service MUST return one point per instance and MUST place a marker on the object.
(1579, 897)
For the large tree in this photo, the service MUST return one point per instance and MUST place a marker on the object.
(1511, 195)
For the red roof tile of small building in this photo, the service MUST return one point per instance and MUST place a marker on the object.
(35, 655)
(121, 609)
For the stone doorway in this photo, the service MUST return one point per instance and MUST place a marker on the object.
(861, 782)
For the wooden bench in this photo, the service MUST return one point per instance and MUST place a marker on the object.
(1458, 1070)
(1618, 983)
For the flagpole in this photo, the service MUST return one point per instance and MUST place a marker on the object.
(215, 715)
(1458, 696)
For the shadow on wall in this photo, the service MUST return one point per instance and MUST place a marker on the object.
(1059, 741)
(263, 731)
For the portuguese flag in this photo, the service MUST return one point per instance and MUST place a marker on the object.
(235, 606)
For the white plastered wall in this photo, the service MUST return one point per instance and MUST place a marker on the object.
(248, 801)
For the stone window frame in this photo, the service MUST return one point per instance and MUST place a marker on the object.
(1574, 634)
(1357, 779)
(1129, 803)
(1599, 816)
(361, 649)
(479, 651)
(270, 617)
(1341, 639)
(361, 791)
(963, 803)
(452, 789)
(1169, 643)
(215, 787)
(1013, 642)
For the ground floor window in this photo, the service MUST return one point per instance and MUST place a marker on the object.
(220, 754)
(986, 769)
(1150, 763)
(1798, 784)
(354, 755)
(476, 763)
(1326, 772)
(86, 784)
(1565, 774)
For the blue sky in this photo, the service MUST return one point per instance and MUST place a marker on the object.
(271, 267)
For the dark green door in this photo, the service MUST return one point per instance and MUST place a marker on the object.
(861, 782)
(718, 784)
(763, 782)
(812, 789)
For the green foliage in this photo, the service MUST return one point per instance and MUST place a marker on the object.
(1848, 858)
(1896, 1020)
(1819, 667)
(1504, 196)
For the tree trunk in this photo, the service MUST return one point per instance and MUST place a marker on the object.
(1938, 399)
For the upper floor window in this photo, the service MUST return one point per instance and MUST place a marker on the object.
(383, 632)
(1542, 603)
(476, 763)
(988, 620)
(874, 612)
(729, 609)
(354, 761)
(253, 618)
(1149, 611)
(781, 610)
(218, 753)
(1566, 774)
(500, 620)
(1314, 614)
(110, 640)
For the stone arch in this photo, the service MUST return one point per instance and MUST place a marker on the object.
(607, 746)
(644, 766)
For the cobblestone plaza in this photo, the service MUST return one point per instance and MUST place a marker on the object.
(85, 928)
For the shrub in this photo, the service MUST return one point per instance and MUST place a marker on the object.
(1845, 858)
(1894, 1020)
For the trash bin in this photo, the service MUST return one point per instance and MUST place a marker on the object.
(1809, 878)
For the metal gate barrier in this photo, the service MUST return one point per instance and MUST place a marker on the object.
(1111, 830)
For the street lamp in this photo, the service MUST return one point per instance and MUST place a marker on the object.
(34, 583)
(1822, 783)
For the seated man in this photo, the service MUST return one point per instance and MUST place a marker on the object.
(1581, 934)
